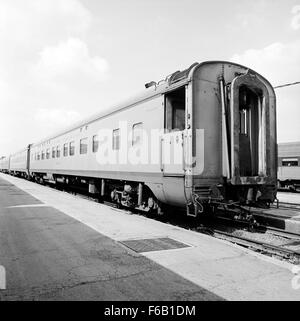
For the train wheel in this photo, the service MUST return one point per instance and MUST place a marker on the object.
(154, 207)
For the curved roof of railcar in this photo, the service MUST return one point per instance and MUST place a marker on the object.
(289, 149)
(19, 151)
(170, 83)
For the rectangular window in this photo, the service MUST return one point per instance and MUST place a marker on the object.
(72, 148)
(83, 145)
(57, 151)
(48, 153)
(175, 110)
(137, 134)
(290, 162)
(244, 119)
(53, 152)
(65, 149)
(43, 155)
(116, 139)
(38, 156)
(95, 144)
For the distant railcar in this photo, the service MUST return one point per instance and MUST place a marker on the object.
(289, 166)
(19, 163)
(216, 143)
(4, 164)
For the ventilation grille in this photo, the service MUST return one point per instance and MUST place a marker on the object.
(150, 245)
(202, 191)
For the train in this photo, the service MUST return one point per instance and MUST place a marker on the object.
(289, 166)
(200, 137)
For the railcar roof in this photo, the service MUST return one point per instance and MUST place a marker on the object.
(289, 149)
(171, 82)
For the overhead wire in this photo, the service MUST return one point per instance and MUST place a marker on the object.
(287, 85)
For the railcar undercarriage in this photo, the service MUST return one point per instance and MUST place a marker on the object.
(129, 194)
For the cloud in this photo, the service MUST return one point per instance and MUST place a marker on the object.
(53, 119)
(295, 23)
(68, 60)
(31, 18)
(26, 26)
(279, 63)
(249, 14)
(47, 70)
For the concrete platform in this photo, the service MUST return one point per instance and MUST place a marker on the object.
(204, 269)
(285, 219)
(287, 197)
(49, 255)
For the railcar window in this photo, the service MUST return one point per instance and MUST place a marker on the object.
(290, 162)
(137, 134)
(244, 121)
(72, 148)
(175, 103)
(53, 152)
(95, 143)
(116, 139)
(57, 151)
(65, 149)
(83, 145)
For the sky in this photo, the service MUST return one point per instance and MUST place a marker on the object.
(64, 60)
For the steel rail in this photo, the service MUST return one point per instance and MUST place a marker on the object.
(284, 205)
(257, 245)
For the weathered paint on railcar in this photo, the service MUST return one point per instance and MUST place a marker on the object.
(207, 116)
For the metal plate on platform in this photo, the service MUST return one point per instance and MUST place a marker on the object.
(149, 245)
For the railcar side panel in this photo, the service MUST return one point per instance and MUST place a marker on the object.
(289, 165)
(19, 162)
(150, 114)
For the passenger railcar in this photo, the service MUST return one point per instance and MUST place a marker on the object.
(4, 164)
(289, 166)
(19, 163)
(213, 140)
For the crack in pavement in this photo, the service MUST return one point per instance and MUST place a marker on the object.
(37, 292)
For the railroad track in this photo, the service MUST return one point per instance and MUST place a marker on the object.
(288, 249)
(287, 190)
(284, 205)
(264, 248)
(279, 232)
(281, 251)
